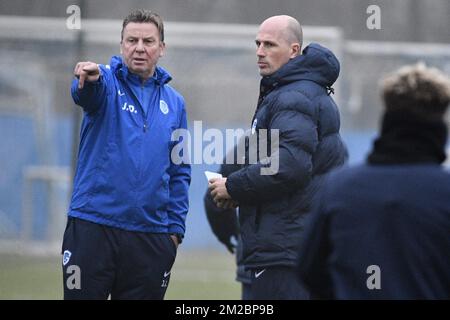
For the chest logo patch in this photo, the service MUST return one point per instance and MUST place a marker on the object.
(254, 126)
(163, 107)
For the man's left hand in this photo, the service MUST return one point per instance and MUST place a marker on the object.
(218, 190)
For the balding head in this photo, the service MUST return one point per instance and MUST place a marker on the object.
(279, 39)
(288, 27)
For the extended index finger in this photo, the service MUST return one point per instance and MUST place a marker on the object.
(77, 73)
(81, 79)
(91, 68)
(76, 70)
(79, 68)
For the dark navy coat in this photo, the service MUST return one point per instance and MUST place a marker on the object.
(380, 232)
(294, 100)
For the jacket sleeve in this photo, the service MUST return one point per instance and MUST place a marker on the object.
(291, 159)
(223, 222)
(180, 179)
(93, 94)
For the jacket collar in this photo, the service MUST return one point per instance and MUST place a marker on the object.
(316, 63)
(161, 76)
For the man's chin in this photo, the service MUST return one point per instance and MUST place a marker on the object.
(264, 72)
(139, 69)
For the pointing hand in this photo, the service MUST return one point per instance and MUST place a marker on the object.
(86, 71)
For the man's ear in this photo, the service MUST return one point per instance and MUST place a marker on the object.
(162, 47)
(295, 50)
(121, 51)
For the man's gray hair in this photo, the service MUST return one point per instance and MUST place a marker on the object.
(145, 16)
(294, 31)
(417, 88)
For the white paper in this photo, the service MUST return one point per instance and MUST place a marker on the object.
(210, 175)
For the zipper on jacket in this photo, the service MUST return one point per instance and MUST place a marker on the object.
(145, 114)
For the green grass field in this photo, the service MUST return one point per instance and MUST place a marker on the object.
(205, 275)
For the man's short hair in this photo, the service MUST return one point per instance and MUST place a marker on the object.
(294, 32)
(418, 89)
(144, 16)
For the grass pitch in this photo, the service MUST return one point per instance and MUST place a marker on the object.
(207, 275)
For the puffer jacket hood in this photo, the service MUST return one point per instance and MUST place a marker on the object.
(316, 63)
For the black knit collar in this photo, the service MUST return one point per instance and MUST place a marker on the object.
(407, 138)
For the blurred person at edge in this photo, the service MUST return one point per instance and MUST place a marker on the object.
(225, 224)
(130, 200)
(295, 100)
(381, 229)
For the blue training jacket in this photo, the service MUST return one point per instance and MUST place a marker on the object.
(125, 177)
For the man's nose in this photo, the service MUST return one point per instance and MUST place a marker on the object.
(140, 46)
(260, 51)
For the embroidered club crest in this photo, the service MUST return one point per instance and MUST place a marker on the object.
(163, 107)
(66, 257)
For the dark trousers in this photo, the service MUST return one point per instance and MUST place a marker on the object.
(101, 261)
(246, 290)
(277, 283)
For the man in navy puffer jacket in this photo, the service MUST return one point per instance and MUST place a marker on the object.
(294, 99)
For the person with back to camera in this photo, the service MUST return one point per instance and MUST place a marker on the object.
(381, 230)
(225, 224)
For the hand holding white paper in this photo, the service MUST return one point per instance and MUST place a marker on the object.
(211, 175)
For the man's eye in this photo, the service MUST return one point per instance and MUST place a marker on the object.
(131, 40)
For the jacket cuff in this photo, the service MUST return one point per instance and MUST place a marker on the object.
(176, 229)
(94, 83)
(232, 185)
